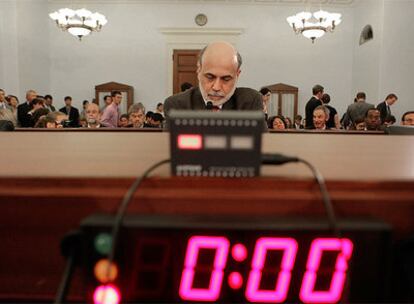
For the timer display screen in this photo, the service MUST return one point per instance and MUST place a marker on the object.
(176, 259)
(215, 144)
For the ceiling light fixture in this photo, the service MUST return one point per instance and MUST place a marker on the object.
(79, 22)
(325, 22)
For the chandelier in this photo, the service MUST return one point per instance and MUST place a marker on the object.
(316, 27)
(79, 22)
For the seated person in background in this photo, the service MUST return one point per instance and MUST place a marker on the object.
(93, 116)
(136, 113)
(46, 122)
(389, 120)
(148, 119)
(60, 120)
(266, 93)
(39, 113)
(185, 86)
(276, 123)
(6, 111)
(37, 103)
(83, 113)
(10, 113)
(333, 121)
(288, 123)
(72, 112)
(373, 120)
(359, 124)
(3, 102)
(160, 108)
(155, 121)
(13, 102)
(320, 117)
(218, 71)
(123, 121)
(6, 125)
(82, 122)
(298, 122)
(49, 103)
(24, 118)
(408, 118)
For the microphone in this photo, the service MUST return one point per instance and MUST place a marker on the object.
(209, 105)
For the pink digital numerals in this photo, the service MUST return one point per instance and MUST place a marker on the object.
(263, 245)
(253, 293)
(212, 293)
(307, 292)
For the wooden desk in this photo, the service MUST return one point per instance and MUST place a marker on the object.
(128, 154)
(51, 180)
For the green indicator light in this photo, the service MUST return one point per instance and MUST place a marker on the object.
(103, 243)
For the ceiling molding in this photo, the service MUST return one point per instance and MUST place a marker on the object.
(201, 31)
(339, 3)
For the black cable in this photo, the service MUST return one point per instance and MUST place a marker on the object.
(280, 159)
(65, 280)
(122, 208)
(71, 249)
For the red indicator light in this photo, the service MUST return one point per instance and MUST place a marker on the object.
(190, 142)
(239, 252)
(235, 280)
(106, 294)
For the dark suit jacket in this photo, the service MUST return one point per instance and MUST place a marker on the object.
(6, 125)
(310, 106)
(52, 108)
(73, 116)
(382, 107)
(331, 121)
(242, 99)
(25, 119)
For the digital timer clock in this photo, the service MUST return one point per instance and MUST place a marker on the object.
(215, 144)
(186, 259)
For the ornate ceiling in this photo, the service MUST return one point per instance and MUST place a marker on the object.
(262, 2)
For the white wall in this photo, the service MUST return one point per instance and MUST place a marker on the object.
(132, 50)
(273, 54)
(33, 45)
(9, 64)
(367, 57)
(397, 55)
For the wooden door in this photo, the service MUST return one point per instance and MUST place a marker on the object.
(284, 100)
(185, 68)
(127, 92)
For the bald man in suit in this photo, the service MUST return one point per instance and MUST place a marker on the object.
(218, 72)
